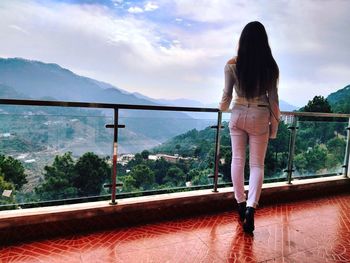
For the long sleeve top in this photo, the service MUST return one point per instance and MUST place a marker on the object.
(231, 91)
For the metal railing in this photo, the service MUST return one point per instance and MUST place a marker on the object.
(116, 126)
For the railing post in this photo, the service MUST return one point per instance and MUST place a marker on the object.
(347, 152)
(115, 155)
(293, 133)
(217, 151)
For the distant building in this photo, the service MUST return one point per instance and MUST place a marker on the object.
(125, 158)
(287, 119)
(174, 158)
(153, 157)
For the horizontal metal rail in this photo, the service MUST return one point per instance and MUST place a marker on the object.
(102, 105)
(147, 107)
(311, 114)
(316, 114)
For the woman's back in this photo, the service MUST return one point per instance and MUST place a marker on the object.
(251, 81)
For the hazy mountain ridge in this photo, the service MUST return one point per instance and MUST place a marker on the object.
(26, 79)
(7, 92)
(39, 79)
(285, 106)
(35, 79)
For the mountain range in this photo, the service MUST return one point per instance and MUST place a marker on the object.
(27, 79)
(38, 80)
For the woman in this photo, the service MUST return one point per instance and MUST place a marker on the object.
(251, 80)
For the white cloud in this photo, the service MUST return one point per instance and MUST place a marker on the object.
(149, 6)
(135, 10)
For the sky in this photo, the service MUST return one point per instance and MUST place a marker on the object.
(178, 48)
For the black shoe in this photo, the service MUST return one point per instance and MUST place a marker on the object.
(248, 224)
(241, 210)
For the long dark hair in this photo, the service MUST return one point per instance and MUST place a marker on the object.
(257, 70)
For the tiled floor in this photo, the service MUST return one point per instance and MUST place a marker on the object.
(305, 231)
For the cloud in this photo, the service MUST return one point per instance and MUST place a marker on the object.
(149, 6)
(135, 10)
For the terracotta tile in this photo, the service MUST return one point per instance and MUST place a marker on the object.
(186, 252)
(316, 255)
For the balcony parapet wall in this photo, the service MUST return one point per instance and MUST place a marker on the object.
(48, 222)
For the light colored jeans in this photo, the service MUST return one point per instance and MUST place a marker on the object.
(248, 124)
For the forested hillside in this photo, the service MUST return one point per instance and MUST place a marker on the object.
(340, 100)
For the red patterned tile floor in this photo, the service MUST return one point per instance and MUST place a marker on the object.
(317, 230)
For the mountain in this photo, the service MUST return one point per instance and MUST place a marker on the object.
(285, 106)
(21, 78)
(185, 103)
(7, 92)
(39, 79)
(340, 100)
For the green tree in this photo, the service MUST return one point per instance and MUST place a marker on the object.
(160, 168)
(145, 154)
(192, 174)
(312, 160)
(316, 130)
(331, 161)
(143, 176)
(202, 178)
(138, 159)
(225, 166)
(129, 183)
(300, 162)
(13, 171)
(58, 179)
(317, 104)
(91, 172)
(175, 176)
(5, 186)
(337, 146)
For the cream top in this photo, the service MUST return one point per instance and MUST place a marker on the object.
(231, 92)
